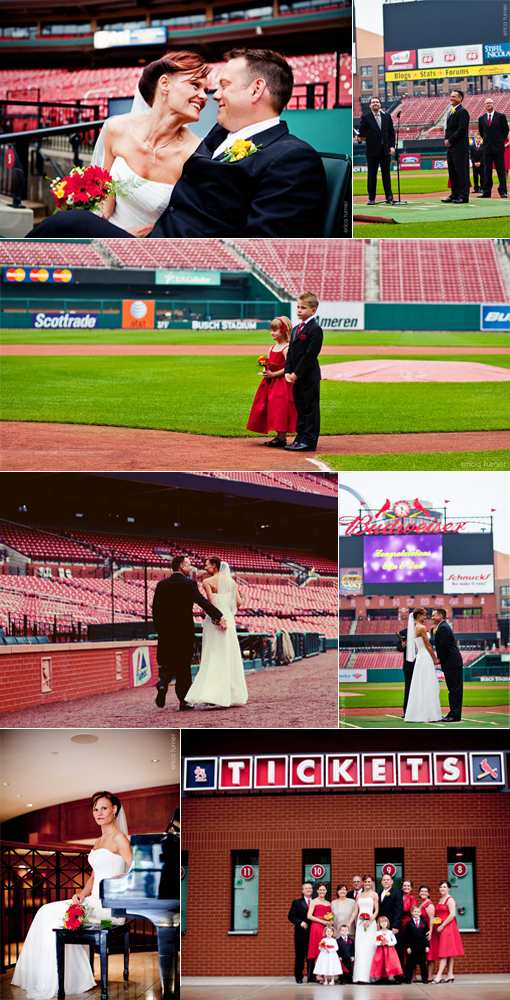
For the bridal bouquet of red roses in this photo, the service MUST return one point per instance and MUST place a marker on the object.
(84, 187)
(76, 915)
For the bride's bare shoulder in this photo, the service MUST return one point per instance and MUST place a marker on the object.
(121, 124)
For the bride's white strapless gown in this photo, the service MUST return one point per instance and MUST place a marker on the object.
(364, 943)
(220, 679)
(36, 968)
(144, 203)
(423, 704)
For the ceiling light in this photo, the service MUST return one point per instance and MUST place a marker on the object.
(54, 753)
(19, 796)
(5, 782)
(84, 738)
(155, 760)
(29, 805)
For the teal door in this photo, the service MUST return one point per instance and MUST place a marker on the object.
(463, 892)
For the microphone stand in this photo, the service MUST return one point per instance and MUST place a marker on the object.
(397, 158)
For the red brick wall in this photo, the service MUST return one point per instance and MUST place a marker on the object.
(77, 669)
(279, 827)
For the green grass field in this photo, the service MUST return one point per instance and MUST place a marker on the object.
(480, 720)
(213, 395)
(390, 696)
(411, 182)
(476, 228)
(468, 460)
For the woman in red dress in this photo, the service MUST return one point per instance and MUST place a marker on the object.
(273, 408)
(409, 901)
(450, 943)
(316, 912)
(428, 912)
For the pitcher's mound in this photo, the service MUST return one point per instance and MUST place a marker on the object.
(388, 370)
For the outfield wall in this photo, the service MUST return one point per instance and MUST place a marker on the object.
(422, 316)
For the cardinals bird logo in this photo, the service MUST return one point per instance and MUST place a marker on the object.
(486, 770)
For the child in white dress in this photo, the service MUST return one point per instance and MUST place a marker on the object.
(328, 962)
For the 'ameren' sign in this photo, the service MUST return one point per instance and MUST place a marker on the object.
(343, 771)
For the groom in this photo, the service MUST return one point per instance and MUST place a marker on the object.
(303, 371)
(172, 611)
(449, 656)
(277, 190)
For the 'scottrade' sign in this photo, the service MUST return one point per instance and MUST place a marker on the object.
(343, 771)
(495, 317)
(64, 321)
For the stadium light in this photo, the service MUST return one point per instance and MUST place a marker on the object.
(78, 515)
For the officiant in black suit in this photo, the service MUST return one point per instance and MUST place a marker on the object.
(450, 658)
(407, 666)
(456, 140)
(391, 905)
(172, 611)
(302, 369)
(298, 914)
(376, 128)
(493, 128)
(278, 190)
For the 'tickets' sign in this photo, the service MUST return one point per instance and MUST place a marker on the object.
(343, 771)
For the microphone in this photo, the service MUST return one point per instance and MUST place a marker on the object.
(398, 114)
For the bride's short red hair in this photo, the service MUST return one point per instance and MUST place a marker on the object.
(170, 63)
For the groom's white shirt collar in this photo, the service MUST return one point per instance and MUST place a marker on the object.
(245, 133)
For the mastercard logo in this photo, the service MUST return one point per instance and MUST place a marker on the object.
(62, 275)
(40, 274)
(15, 274)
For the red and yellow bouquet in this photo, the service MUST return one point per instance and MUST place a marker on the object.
(263, 361)
(328, 915)
(84, 187)
(380, 938)
(437, 920)
(75, 916)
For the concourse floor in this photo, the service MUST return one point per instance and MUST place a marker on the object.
(487, 987)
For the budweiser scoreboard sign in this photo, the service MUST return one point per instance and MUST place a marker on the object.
(343, 771)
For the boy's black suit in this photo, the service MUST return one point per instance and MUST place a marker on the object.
(345, 954)
(298, 914)
(278, 191)
(172, 611)
(407, 667)
(304, 350)
(476, 155)
(457, 133)
(416, 940)
(494, 136)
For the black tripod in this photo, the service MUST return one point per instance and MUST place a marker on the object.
(397, 160)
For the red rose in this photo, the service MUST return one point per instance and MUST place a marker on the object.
(302, 336)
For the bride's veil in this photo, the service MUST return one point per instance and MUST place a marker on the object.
(411, 649)
(226, 584)
(121, 822)
(139, 107)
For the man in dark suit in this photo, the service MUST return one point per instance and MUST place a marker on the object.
(449, 656)
(357, 887)
(493, 128)
(346, 953)
(376, 129)
(476, 154)
(172, 611)
(416, 945)
(298, 916)
(407, 666)
(391, 905)
(302, 369)
(278, 190)
(456, 140)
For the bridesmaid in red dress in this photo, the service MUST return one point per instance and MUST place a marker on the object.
(450, 943)
(316, 912)
(273, 408)
(409, 901)
(428, 912)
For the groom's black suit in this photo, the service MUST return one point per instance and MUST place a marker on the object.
(407, 667)
(172, 611)
(278, 191)
(449, 656)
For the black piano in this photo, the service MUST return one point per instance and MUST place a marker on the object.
(151, 890)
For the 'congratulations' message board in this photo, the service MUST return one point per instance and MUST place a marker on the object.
(411, 559)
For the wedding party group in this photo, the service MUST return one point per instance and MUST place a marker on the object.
(421, 693)
(248, 177)
(368, 937)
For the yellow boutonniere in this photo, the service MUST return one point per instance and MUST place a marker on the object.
(239, 150)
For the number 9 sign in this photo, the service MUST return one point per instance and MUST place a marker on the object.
(389, 870)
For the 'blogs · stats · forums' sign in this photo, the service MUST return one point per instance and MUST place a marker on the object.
(343, 771)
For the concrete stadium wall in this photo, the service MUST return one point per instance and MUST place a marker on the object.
(77, 669)
(422, 316)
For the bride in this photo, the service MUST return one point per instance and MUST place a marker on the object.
(36, 968)
(423, 704)
(220, 679)
(148, 150)
(366, 930)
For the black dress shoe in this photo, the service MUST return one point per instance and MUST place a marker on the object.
(370, 202)
(390, 201)
(160, 698)
(184, 706)
(444, 200)
(460, 201)
(450, 719)
(298, 447)
(484, 195)
(451, 980)
(276, 443)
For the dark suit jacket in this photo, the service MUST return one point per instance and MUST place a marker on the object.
(350, 895)
(392, 907)
(304, 351)
(172, 611)
(476, 154)
(406, 665)
(496, 135)
(415, 937)
(447, 650)
(299, 912)
(346, 951)
(278, 191)
(457, 128)
(375, 136)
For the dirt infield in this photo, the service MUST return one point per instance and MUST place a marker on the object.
(193, 350)
(299, 696)
(43, 447)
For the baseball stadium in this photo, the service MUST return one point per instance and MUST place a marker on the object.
(457, 569)
(141, 355)
(80, 558)
(67, 69)
(425, 50)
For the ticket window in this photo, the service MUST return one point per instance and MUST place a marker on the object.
(461, 875)
(317, 868)
(184, 889)
(389, 861)
(245, 892)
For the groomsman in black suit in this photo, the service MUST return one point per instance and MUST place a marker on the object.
(357, 887)
(456, 140)
(493, 128)
(407, 666)
(416, 945)
(391, 905)
(377, 130)
(476, 154)
(449, 656)
(302, 369)
(298, 916)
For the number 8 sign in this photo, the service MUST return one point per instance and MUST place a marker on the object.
(459, 869)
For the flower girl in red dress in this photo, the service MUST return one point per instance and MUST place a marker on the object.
(385, 962)
(273, 408)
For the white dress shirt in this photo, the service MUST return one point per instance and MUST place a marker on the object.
(245, 133)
